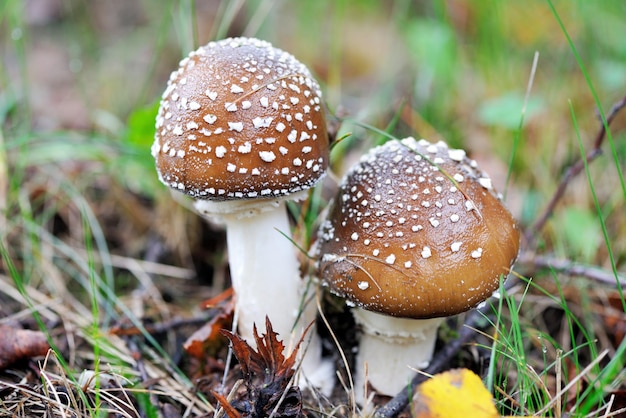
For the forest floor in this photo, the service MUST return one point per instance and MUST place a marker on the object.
(106, 266)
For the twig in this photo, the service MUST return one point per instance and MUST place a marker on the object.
(572, 171)
(147, 266)
(161, 327)
(442, 359)
(570, 268)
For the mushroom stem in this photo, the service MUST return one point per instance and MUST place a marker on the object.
(392, 346)
(258, 248)
(265, 276)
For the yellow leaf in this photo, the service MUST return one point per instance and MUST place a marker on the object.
(456, 393)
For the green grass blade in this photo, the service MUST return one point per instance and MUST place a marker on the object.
(595, 392)
(518, 132)
(596, 98)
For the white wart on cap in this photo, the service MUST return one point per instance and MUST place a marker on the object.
(240, 119)
(416, 231)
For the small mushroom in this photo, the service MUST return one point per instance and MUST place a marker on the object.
(241, 129)
(416, 233)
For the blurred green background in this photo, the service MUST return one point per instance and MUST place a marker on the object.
(81, 82)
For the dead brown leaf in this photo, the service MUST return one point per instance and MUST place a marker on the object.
(17, 344)
(230, 411)
(207, 340)
(267, 375)
(614, 317)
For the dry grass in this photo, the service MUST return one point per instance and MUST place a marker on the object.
(96, 253)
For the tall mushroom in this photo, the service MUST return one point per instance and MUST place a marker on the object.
(241, 129)
(416, 233)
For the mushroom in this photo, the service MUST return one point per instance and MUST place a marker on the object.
(241, 129)
(415, 233)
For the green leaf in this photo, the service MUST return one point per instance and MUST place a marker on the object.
(581, 232)
(611, 74)
(135, 166)
(506, 111)
(432, 46)
(140, 127)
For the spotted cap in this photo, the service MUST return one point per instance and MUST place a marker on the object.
(416, 231)
(240, 119)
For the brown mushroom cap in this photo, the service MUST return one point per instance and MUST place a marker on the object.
(240, 119)
(416, 231)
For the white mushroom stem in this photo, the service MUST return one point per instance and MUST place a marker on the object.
(265, 276)
(392, 349)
